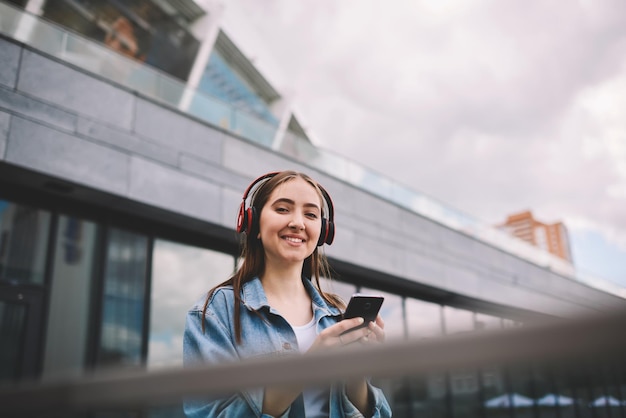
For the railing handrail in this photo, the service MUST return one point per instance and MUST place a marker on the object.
(570, 342)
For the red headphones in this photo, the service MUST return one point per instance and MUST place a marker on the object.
(247, 219)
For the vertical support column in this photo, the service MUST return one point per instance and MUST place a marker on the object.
(26, 24)
(282, 109)
(207, 29)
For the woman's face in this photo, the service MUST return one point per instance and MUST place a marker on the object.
(290, 222)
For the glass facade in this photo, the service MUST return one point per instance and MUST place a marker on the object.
(423, 319)
(392, 313)
(342, 289)
(181, 274)
(137, 29)
(124, 298)
(225, 98)
(23, 240)
(72, 288)
(222, 81)
(24, 234)
(12, 324)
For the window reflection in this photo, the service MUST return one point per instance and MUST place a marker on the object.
(464, 385)
(457, 320)
(222, 80)
(73, 274)
(510, 323)
(518, 392)
(342, 289)
(424, 395)
(484, 321)
(123, 299)
(392, 313)
(12, 320)
(181, 274)
(23, 242)
(423, 319)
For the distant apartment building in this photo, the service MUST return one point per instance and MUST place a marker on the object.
(549, 237)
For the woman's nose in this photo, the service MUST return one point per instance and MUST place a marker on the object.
(296, 222)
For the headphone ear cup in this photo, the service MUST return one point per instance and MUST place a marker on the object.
(246, 219)
(330, 236)
(327, 233)
(242, 221)
(323, 233)
(253, 222)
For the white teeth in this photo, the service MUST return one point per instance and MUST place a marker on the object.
(293, 239)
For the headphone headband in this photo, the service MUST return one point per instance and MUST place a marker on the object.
(247, 218)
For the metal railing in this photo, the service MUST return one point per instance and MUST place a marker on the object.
(98, 59)
(580, 346)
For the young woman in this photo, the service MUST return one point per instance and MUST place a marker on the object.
(273, 304)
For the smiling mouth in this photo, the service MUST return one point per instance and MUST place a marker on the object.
(295, 240)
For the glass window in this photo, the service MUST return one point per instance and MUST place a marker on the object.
(70, 297)
(484, 321)
(457, 320)
(510, 323)
(425, 395)
(423, 319)
(342, 289)
(392, 313)
(465, 390)
(222, 80)
(137, 29)
(123, 299)
(23, 243)
(520, 385)
(181, 274)
(463, 384)
(12, 320)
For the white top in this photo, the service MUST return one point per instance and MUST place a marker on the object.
(315, 399)
(305, 334)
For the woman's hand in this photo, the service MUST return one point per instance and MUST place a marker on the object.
(336, 335)
(377, 331)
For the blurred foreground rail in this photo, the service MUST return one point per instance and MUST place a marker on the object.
(596, 341)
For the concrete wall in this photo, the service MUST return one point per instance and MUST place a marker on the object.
(64, 123)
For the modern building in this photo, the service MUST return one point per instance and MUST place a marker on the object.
(552, 238)
(128, 133)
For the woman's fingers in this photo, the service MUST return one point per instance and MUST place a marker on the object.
(371, 332)
(344, 333)
(380, 322)
(348, 324)
(378, 329)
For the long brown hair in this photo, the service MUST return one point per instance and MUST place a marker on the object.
(253, 256)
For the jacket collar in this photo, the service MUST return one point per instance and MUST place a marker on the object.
(253, 297)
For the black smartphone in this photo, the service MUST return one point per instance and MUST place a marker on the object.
(364, 306)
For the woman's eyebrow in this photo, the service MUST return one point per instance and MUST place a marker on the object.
(291, 202)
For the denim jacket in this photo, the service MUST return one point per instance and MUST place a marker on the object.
(259, 338)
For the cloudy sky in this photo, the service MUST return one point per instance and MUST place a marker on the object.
(489, 106)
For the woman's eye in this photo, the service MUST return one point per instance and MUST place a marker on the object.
(281, 209)
(312, 215)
